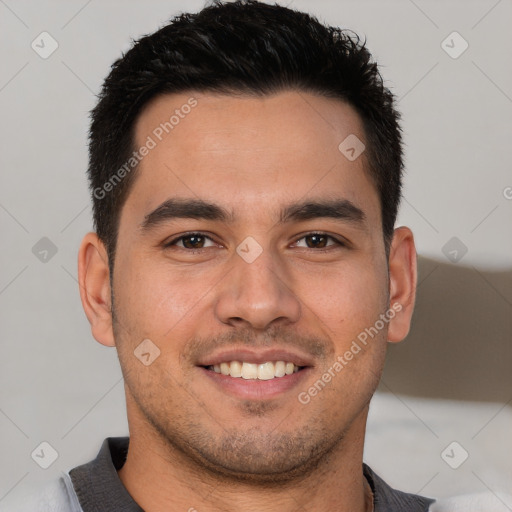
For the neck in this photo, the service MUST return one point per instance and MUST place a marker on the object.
(160, 477)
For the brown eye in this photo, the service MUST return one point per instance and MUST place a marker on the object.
(318, 241)
(191, 241)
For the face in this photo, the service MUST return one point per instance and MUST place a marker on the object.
(248, 236)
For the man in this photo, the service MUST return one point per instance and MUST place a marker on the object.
(245, 169)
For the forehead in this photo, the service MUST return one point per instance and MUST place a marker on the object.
(248, 153)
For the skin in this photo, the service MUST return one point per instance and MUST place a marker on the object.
(192, 445)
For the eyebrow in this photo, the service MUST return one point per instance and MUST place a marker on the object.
(339, 209)
(180, 208)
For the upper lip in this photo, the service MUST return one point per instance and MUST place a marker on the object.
(255, 357)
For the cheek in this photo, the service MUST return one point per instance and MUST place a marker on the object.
(154, 298)
(345, 299)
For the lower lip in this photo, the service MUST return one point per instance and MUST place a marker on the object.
(254, 389)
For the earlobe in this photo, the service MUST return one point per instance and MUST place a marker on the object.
(95, 293)
(402, 283)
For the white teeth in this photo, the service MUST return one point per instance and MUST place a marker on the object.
(280, 369)
(266, 371)
(249, 371)
(235, 369)
(263, 371)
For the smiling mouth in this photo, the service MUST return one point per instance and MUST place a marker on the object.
(252, 371)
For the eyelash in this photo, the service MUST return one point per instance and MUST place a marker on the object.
(337, 243)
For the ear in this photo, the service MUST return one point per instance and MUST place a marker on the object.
(402, 283)
(94, 282)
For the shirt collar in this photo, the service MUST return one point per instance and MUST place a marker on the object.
(97, 484)
(387, 499)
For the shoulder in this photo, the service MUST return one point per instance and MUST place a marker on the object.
(482, 502)
(53, 496)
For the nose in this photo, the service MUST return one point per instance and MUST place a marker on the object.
(257, 294)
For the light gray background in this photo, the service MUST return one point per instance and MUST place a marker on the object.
(451, 380)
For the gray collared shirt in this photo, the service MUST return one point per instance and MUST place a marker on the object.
(99, 488)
